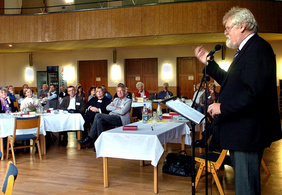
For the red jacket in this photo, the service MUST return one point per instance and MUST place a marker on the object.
(146, 94)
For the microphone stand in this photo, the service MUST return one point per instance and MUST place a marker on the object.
(203, 80)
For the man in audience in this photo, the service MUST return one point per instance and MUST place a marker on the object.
(44, 92)
(63, 92)
(119, 115)
(72, 103)
(165, 93)
(52, 94)
(106, 93)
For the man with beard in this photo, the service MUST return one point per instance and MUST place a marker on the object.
(245, 124)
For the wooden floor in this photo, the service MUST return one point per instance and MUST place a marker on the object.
(64, 170)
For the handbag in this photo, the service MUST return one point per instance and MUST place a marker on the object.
(178, 164)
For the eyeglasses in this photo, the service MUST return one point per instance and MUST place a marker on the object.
(228, 29)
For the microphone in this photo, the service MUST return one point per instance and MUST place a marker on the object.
(217, 47)
(207, 78)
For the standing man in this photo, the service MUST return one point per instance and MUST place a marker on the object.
(246, 125)
(119, 115)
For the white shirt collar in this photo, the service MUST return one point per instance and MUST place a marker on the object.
(245, 40)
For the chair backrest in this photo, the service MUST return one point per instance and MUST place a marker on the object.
(10, 177)
(27, 123)
(52, 104)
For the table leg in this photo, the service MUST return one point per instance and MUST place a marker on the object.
(105, 172)
(183, 142)
(78, 138)
(156, 179)
(42, 144)
(200, 136)
(2, 148)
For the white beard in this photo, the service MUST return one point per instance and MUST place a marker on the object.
(230, 44)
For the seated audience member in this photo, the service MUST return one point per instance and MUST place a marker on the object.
(91, 93)
(52, 94)
(44, 92)
(197, 101)
(29, 100)
(141, 91)
(106, 93)
(73, 103)
(165, 93)
(11, 93)
(127, 94)
(6, 104)
(80, 93)
(22, 92)
(63, 92)
(119, 115)
(97, 104)
(212, 97)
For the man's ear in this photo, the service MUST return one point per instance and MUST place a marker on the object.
(243, 28)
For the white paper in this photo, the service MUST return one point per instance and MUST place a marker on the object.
(185, 110)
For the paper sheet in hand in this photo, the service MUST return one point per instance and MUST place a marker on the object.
(185, 110)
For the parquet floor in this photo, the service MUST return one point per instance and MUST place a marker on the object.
(64, 170)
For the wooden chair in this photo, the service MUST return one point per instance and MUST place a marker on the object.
(215, 161)
(9, 180)
(24, 124)
(132, 118)
(16, 105)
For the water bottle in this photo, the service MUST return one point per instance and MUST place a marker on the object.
(159, 112)
(145, 114)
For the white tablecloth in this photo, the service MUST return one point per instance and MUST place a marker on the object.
(143, 144)
(49, 122)
(63, 122)
(141, 104)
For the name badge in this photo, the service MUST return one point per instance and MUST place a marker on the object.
(100, 101)
(77, 103)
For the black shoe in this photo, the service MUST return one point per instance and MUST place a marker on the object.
(86, 140)
(200, 143)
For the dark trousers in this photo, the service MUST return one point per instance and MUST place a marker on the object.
(247, 172)
(102, 120)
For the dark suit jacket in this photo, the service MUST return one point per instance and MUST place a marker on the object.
(79, 104)
(249, 119)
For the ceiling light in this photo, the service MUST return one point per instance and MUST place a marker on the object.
(10, 45)
(69, 1)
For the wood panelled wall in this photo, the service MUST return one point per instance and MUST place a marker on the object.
(1, 7)
(166, 19)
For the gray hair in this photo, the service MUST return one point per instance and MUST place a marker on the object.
(139, 83)
(4, 89)
(241, 16)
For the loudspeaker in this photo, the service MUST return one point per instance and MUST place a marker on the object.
(114, 56)
(30, 60)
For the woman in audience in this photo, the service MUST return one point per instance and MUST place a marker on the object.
(22, 92)
(80, 92)
(11, 94)
(97, 104)
(91, 93)
(141, 91)
(6, 104)
(29, 101)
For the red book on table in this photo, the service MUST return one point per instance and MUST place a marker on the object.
(130, 128)
(173, 114)
(166, 117)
